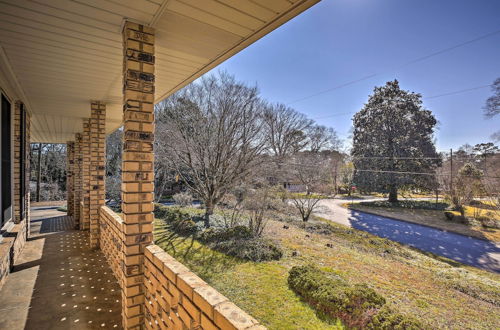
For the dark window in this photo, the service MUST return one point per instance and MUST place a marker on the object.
(6, 198)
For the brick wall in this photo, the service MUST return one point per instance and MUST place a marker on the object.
(77, 180)
(178, 299)
(85, 195)
(16, 232)
(174, 297)
(111, 240)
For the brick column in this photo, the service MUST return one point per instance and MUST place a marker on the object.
(17, 163)
(97, 167)
(137, 165)
(21, 161)
(77, 179)
(85, 216)
(70, 163)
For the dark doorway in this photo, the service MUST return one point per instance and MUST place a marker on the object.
(5, 166)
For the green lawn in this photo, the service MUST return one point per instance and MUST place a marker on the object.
(441, 293)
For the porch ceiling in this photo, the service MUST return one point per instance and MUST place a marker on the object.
(64, 53)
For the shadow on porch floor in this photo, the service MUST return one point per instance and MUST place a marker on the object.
(58, 281)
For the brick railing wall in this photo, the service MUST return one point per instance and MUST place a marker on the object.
(175, 298)
(111, 240)
(178, 299)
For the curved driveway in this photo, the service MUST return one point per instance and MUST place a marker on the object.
(468, 250)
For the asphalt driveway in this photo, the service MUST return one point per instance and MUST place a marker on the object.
(472, 251)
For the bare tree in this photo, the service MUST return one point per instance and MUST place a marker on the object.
(467, 185)
(113, 165)
(212, 134)
(492, 107)
(305, 205)
(320, 138)
(312, 171)
(285, 130)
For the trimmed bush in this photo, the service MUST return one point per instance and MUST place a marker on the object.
(358, 306)
(254, 249)
(409, 204)
(334, 297)
(387, 319)
(217, 235)
(239, 242)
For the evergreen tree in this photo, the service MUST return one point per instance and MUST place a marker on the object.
(394, 133)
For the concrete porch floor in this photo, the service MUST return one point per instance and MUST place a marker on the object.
(58, 281)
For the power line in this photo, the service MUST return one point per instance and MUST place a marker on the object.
(426, 98)
(397, 172)
(416, 60)
(376, 157)
(423, 173)
(458, 92)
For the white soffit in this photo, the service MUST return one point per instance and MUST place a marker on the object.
(65, 53)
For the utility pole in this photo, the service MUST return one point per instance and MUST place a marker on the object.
(39, 172)
(451, 171)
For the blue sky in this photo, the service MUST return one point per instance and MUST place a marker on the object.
(338, 41)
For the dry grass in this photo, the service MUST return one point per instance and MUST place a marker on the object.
(443, 294)
(431, 218)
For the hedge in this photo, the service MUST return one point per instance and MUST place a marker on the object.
(358, 306)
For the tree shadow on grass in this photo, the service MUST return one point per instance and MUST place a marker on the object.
(204, 261)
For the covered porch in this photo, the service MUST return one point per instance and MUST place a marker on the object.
(74, 72)
(58, 281)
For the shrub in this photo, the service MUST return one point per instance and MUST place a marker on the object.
(489, 221)
(240, 242)
(386, 319)
(160, 211)
(449, 215)
(183, 199)
(218, 235)
(176, 219)
(408, 204)
(358, 306)
(333, 296)
(455, 216)
(254, 249)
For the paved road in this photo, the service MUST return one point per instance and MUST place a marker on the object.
(471, 251)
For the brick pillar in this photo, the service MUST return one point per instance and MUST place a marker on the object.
(70, 164)
(137, 165)
(27, 197)
(85, 216)
(17, 163)
(97, 167)
(77, 179)
(21, 161)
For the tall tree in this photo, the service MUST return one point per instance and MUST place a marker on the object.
(212, 134)
(393, 133)
(285, 130)
(320, 138)
(492, 107)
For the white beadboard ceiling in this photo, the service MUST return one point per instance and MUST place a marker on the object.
(64, 53)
